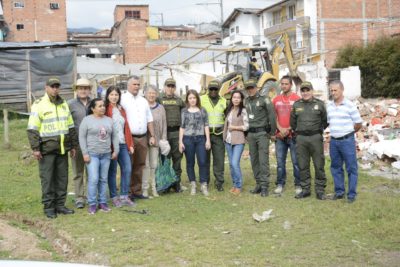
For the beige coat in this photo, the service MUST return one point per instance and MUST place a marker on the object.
(237, 136)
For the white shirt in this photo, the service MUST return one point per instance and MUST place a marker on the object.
(138, 112)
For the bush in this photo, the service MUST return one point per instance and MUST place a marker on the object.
(379, 64)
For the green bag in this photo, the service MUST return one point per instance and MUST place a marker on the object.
(165, 174)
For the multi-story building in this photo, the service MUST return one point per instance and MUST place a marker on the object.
(35, 20)
(242, 27)
(317, 28)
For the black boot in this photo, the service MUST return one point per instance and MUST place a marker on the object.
(256, 190)
(264, 192)
(177, 187)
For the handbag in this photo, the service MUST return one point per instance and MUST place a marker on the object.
(165, 174)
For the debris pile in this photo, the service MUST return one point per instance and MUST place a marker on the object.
(380, 134)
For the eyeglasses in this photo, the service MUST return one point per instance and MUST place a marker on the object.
(57, 86)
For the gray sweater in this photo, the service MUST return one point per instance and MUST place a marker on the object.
(96, 135)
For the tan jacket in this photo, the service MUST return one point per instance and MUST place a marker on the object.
(237, 136)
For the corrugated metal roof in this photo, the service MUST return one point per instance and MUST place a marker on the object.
(15, 46)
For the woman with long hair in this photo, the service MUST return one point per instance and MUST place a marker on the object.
(96, 135)
(126, 147)
(236, 124)
(194, 140)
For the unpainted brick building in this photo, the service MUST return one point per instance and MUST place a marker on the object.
(35, 20)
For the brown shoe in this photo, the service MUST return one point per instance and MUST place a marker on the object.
(236, 191)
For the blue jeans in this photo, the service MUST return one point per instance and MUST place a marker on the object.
(281, 149)
(234, 155)
(97, 177)
(124, 161)
(344, 151)
(196, 145)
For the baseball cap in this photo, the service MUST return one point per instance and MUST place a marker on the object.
(306, 85)
(214, 84)
(250, 84)
(52, 81)
(170, 81)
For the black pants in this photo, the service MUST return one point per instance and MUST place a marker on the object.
(53, 171)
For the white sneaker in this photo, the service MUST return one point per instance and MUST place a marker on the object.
(193, 188)
(278, 190)
(204, 189)
(298, 190)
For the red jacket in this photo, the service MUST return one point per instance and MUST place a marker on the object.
(127, 131)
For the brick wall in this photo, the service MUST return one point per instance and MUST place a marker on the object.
(348, 27)
(40, 23)
(131, 34)
(119, 11)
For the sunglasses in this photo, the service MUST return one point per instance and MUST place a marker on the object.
(171, 85)
(305, 89)
(55, 86)
(213, 89)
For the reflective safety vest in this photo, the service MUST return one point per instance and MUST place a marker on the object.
(216, 116)
(51, 119)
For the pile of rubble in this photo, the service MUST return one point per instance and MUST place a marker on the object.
(380, 134)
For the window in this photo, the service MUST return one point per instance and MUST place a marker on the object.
(232, 30)
(291, 12)
(134, 14)
(276, 17)
(54, 6)
(19, 4)
(237, 29)
(20, 26)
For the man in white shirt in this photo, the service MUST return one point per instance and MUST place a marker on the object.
(140, 123)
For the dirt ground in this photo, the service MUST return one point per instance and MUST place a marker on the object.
(20, 244)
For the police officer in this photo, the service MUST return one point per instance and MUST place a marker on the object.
(308, 119)
(173, 106)
(52, 134)
(215, 105)
(262, 126)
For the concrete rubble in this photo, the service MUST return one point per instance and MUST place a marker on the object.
(378, 142)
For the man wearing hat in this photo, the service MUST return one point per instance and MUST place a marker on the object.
(78, 107)
(262, 126)
(215, 105)
(51, 135)
(308, 119)
(173, 106)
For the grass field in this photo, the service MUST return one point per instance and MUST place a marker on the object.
(181, 230)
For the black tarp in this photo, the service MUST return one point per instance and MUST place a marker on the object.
(18, 67)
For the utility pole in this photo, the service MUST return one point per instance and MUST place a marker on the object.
(161, 15)
(221, 5)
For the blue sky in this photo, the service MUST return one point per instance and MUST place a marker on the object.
(99, 13)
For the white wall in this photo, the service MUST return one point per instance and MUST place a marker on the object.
(351, 80)
(248, 27)
(310, 10)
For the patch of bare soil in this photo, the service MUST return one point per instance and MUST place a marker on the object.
(388, 259)
(21, 244)
(25, 245)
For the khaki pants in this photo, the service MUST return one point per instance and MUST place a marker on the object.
(149, 174)
(79, 176)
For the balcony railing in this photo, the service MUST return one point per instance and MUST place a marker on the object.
(286, 24)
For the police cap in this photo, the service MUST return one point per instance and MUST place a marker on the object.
(306, 85)
(170, 81)
(250, 84)
(52, 81)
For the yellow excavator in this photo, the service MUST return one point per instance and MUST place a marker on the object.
(266, 75)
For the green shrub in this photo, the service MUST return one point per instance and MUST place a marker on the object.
(379, 64)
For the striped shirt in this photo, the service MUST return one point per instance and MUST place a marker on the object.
(342, 118)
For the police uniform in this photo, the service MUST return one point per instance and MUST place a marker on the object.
(216, 118)
(51, 131)
(173, 106)
(308, 119)
(262, 125)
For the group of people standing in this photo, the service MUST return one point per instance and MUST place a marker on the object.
(131, 131)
